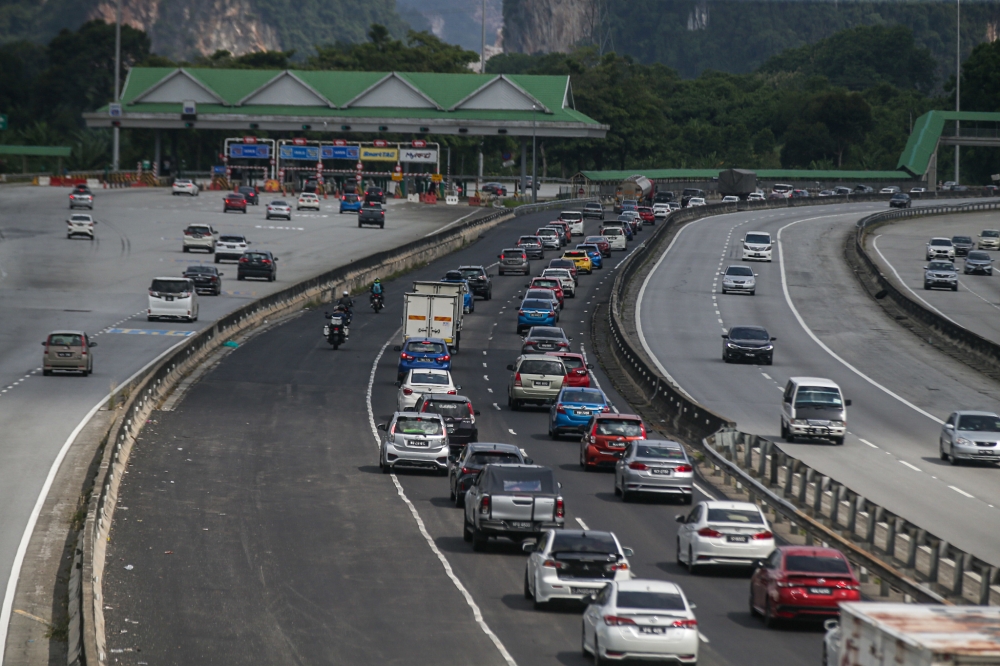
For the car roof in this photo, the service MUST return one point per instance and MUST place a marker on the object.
(585, 389)
(972, 412)
(546, 328)
(666, 443)
(171, 278)
(560, 354)
(715, 504)
(64, 332)
(536, 357)
(471, 266)
(758, 232)
(443, 397)
(622, 417)
(416, 339)
(814, 381)
(513, 249)
(811, 551)
(940, 238)
(410, 412)
(648, 585)
(493, 446)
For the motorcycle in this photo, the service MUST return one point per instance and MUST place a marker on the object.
(336, 331)
(376, 302)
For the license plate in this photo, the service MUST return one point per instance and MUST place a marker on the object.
(820, 590)
(662, 472)
(64, 354)
(542, 383)
(170, 298)
(417, 443)
(734, 538)
(536, 314)
(581, 412)
(581, 590)
(652, 630)
(521, 524)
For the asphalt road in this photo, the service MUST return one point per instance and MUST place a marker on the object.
(899, 250)
(826, 326)
(255, 526)
(48, 282)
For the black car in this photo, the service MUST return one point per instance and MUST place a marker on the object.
(207, 279)
(467, 464)
(841, 190)
(458, 415)
(251, 194)
(258, 264)
(494, 188)
(962, 245)
(863, 189)
(376, 194)
(748, 343)
(372, 212)
(541, 339)
(663, 196)
(900, 200)
(480, 282)
(593, 209)
(690, 192)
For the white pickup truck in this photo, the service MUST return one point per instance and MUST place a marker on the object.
(434, 310)
(514, 501)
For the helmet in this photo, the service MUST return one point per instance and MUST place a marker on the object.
(377, 280)
(346, 293)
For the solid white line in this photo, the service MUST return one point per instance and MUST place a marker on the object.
(961, 492)
(865, 441)
(905, 286)
(767, 376)
(453, 222)
(476, 613)
(511, 432)
(22, 548)
(914, 467)
(703, 491)
(822, 345)
(582, 524)
(976, 294)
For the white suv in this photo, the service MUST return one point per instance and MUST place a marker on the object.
(757, 246)
(307, 200)
(80, 224)
(938, 248)
(184, 186)
(172, 298)
(199, 237)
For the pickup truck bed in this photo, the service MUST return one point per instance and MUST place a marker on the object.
(514, 501)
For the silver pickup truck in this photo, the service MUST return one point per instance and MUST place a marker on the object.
(514, 501)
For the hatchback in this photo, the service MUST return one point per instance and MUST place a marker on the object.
(206, 279)
(978, 261)
(802, 582)
(416, 441)
(569, 264)
(577, 369)
(549, 283)
(81, 198)
(479, 281)
(350, 202)
(602, 244)
(534, 311)
(172, 298)
(532, 246)
(234, 201)
(513, 260)
(551, 240)
(80, 224)
(68, 351)
(571, 564)
(279, 208)
(422, 353)
(606, 437)
(962, 245)
(970, 435)
(250, 193)
(230, 247)
(573, 219)
(257, 264)
(537, 379)
(594, 210)
(596, 258)
(646, 215)
(654, 466)
(465, 467)
(573, 408)
(458, 415)
(615, 236)
(723, 533)
(420, 382)
(581, 259)
(541, 339)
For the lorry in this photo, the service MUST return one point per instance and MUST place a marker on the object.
(514, 501)
(434, 310)
(737, 182)
(636, 187)
(898, 634)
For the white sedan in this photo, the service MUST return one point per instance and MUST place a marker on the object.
(570, 564)
(279, 208)
(730, 198)
(307, 200)
(418, 382)
(640, 619)
(696, 201)
(661, 210)
(726, 533)
(80, 224)
(184, 186)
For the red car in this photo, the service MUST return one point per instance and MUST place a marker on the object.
(234, 201)
(549, 283)
(564, 263)
(564, 226)
(602, 244)
(577, 369)
(802, 582)
(646, 214)
(606, 437)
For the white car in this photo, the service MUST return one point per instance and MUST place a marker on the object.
(199, 237)
(892, 189)
(307, 200)
(574, 219)
(565, 278)
(661, 209)
(80, 224)
(172, 298)
(421, 381)
(917, 190)
(570, 564)
(696, 201)
(278, 208)
(184, 186)
(938, 248)
(230, 247)
(724, 533)
(616, 237)
(641, 619)
(739, 278)
(757, 246)
(729, 198)
(756, 196)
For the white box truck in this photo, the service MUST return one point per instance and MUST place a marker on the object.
(897, 634)
(434, 310)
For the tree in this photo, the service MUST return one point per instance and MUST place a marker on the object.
(422, 52)
(981, 79)
(846, 116)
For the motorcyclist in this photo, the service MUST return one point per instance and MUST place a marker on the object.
(376, 290)
(346, 302)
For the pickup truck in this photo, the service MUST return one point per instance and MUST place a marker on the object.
(514, 501)
(371, 213)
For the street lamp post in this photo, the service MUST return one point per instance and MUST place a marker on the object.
(534, 159)
(118, 66)
(482, 53)
(958, 79)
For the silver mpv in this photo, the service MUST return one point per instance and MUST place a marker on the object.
(414, 440)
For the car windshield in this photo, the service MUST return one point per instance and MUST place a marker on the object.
(758, 239)
(544, 294)
(749, 334)
(279, 203)
(666, 601)
(493, 457)
(734, 516)
(232, 239)
(571, 216)
(536, 304)
(812, 564)
(990, 233)
(471, 272)
(418, 377)
(739, 271)
(538, 367)
(941, 266)
(588, 248)
(513, 254)
(351, 198)
(659, 452)
(619, 428)
(170, 286)
(425, 347)
(940, 241)
(554, 333)
(200, 269)
(979, 256)
(961, 239)
(247, 190)
(979, 423)
(547, 232)
(594, 239)
(589, 397)
(548, 284)
(66, 340)
(572, 362)
(415, 425)
(593, 206)
(80, 218)
(199, 230)
(612, 232)
(256, 256)
(561, 263)
(450, 409)
(235, 195)
(575, 254)
(818, 396)
(587, 542)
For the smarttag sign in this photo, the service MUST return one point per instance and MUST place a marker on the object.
(418, 155)
(369, 154)
(260, 151)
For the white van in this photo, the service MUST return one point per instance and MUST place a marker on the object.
(757, 246)
(616, 237)
(813, 408)
(574, 219)
(172, 298)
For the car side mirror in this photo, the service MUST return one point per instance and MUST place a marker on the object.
(628, 552)
(398, 384)
(679, 518)
(758, 564)
(755, 274)
(847, 403)
(947, 426)
(397, 348)
(458, 388)
(559, 484)
(381, 426)
(275, 258)
(499, 256)
(529, 461)
(93, 344)
(725, 335)
(475, 412)
(249, 243)
(773, 339)
(43, 343)
(528, 547)
(510, 366)
(222, 275)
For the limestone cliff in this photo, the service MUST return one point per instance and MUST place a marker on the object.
(533, 26)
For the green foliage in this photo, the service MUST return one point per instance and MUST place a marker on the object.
(421, 52)
(981, 79)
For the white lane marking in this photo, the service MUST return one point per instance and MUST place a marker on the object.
(15, 569)
(815, 338)
(511, 431)
(703, 638)
(865, 441)
(486, 377)
(452, 223)
(961, 492)
(976, 294)
(582, 524)
(767, 376)
(703, 491)
(476, 612)
(906, 286)
(497, 406)
(484, 352)
(489, 389)
(913, 467)
(484, 365)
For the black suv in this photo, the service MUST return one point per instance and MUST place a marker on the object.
(593, 210)
(900, 200)
(257, 263)
(376, 194)
(663, 196)
(690, 192)
(458, 415)
(480, 282)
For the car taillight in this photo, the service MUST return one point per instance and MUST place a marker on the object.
(265, 261)
(184, 294)
(520, 312)
(484, 505)
(560, 508)
(638, 465)
(617, 566)
(383, 212)
(709, 532)
(605, 409)
(685, 624)
(244, 260)
(683, 468)
(554, 564)
(530, 343)
(560, 408)
(154, 294)
(517, 379)
(407, 391)
(187, 233)
(446, 357)
(616, 621)
(215, 279)
(763, 535)
(453, 392)
(785, 583)
(406, 357)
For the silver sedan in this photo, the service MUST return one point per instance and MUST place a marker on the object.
(654, 466)
(969, 435)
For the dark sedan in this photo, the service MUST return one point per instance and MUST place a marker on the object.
(251, 194)
(594, 210)
(480, 282)
(978, 262)
(748, 343)
(963, 244)
(207, 279)
(466, 466)
(541, 339)
(458, 415)
(900, 200)
(257, 264)
(532, 246)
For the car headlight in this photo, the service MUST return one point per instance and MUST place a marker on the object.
(730, 345)
(800, 422)
(962, 441)
(767, 347)
(837, 424)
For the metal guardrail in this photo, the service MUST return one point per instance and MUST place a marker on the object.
(906, 557)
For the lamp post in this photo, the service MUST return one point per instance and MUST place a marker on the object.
(958, 79)
(482, 53)
(534, 159)
(118, 66)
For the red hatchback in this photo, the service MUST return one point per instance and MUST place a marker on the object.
(577, 369)
(646, 214)
(802, 582)
(606, 437)
(549, 283)
(234, 201)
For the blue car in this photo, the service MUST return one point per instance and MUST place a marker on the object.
(536, 312)
(422, 353)
(573, 408)
(469, 304)
(594, 253)
(350, 202)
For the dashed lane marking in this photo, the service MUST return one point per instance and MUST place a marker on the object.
(913, 467)
(961, 492)
(865, 441)
(150, 331)
(497, 406)
(582, 524)
(511, 431)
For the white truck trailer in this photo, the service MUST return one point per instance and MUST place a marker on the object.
(434, 310)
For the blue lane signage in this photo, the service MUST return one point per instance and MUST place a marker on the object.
(341, 153)
(250, 150)
(310, 153)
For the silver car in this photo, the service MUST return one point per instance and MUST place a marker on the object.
(989, 240)
(978, 261)
(654, 466)
(416, 441)
(550, 238)
(570, 564)
(941, 274)
(940, 247)
(739, 278)
(969, 435)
